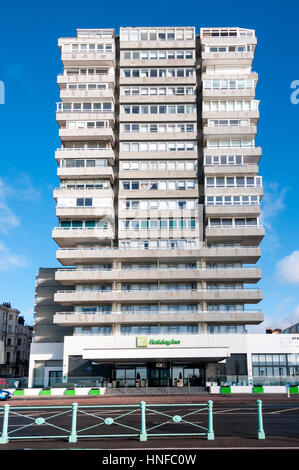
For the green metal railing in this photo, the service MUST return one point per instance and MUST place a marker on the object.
(29, 423)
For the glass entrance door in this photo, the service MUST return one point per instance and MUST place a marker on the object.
(158, 376)
(55, 376)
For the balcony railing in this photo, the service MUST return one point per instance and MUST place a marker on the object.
(233, 225)
(160, 312)
(179, 289)
(155, 269)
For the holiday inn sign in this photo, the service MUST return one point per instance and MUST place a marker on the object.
(144, 342)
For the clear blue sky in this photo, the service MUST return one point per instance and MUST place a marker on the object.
(29, 134)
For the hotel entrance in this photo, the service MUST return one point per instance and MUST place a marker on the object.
(158, 374)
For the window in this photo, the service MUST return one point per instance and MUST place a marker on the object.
(84, 202)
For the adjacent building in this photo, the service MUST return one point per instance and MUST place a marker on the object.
(158, 209)
(16, 338)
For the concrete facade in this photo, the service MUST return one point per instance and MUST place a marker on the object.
(159, 198)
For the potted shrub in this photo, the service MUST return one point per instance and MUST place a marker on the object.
(45, 392)
(95, 391)
(294, 389)
(258, 389)
(180, 381)
(19, 392)
(70, 391)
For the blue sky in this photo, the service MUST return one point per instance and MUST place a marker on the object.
(29, 64)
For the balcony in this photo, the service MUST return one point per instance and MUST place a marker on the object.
(75, 256)
(63, 192)
(62, 117)
(187, 117)
(231, 170)
(69, 237)
(93, 297)
(253, 233)
(65, 78)
(88, 95)
(145, 99)
(148, 174)
(153, 194)
(71, 59)
(239, 132)
(85, 212)
(246, 94)
(71, 276)
(157, 38)
(154, 234)
(143, 81)
(83, 172)
(243, 59)
(88, 153)
(246, 316)
(234, 210)
(147, 136)
(105, 133)
(254, 153)
(234, 191)
(252, 114)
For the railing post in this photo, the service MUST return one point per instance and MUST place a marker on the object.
(260, 431)
(143, 434)
(210, 434)
(4, 436)
(73, 436)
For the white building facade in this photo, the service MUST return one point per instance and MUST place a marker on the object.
(158, 210)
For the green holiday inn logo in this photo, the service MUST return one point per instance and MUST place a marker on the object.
(144, 342)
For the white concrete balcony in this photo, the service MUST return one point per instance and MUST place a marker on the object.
(232, 210)
(169, 155)
(64, 116)
(127, 174)
(154, 234)
(106, 133)
(243, 59)
(231, 132)
(71, 59)
(252, 153)
(123, 117)
(164, 45)
(75, 256)
(144, 99)
(231, 170)
(65, 78)
(83, 172)
(71, 276)
(234, 191)
(143, 81)
(67, 297)
(167, 193)
(142, 63)
(252, 114)
(245, 316)
(88, 153)
(139, 136)
(85, 212)
(246, 94)
(63, 192)
(88, 95)
(69, 237)
(253, 233)
(218, 75)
